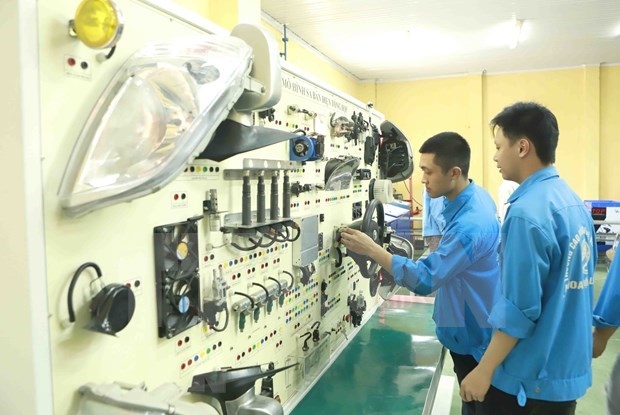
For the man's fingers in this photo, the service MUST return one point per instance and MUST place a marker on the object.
(464, 396)
(467, 396)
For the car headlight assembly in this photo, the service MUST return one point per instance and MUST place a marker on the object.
(157, 113)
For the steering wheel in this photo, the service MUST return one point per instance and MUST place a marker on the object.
(375, 230)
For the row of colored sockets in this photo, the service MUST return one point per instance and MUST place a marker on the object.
(260, 343)
(298, 310)
(200, 355)
(231, 263)
(201, 169)
(290, 125)
(297, 204)
(333, 199)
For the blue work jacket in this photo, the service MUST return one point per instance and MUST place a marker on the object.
(463, 270)
(547, 256)
(607, 310)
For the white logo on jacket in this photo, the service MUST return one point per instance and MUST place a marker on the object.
(581, 242)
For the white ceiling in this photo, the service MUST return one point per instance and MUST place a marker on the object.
(405, 39)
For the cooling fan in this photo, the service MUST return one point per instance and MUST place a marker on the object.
(177, 278)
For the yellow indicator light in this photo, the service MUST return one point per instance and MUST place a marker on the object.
(98, 23)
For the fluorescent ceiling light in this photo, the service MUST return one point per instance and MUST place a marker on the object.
(514, 36)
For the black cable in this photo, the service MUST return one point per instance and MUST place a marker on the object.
(264, 288)
(305, 346)
(265, 233)
(277, 282)
(258, 244)
(225, 321)
(241, 248)
(282, 232)
(285, 234)
(295, 226)
(111, 52)
(292, 279)
(246, 296)
(74, 281)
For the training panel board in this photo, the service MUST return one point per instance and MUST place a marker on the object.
(120, 238)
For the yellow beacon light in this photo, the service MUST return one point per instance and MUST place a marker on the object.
(98, 23)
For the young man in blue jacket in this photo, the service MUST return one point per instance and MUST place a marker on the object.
(539, 359)
(606, 322)
(464, 269)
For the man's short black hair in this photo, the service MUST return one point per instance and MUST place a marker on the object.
(450, 150)
(532, 121)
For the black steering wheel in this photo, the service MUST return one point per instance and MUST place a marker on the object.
(375, 230)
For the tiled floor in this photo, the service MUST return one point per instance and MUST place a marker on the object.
(593, 403)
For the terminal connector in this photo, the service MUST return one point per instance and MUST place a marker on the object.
(357, 306)
(216, 302)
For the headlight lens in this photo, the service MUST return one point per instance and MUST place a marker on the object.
(157, 113)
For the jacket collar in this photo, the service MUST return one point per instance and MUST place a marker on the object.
(451, 207)
(541, 175)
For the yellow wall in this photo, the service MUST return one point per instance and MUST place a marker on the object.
(424, 108)
(222, 12)
(609, 167)
(565, 93)
(585, 100)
